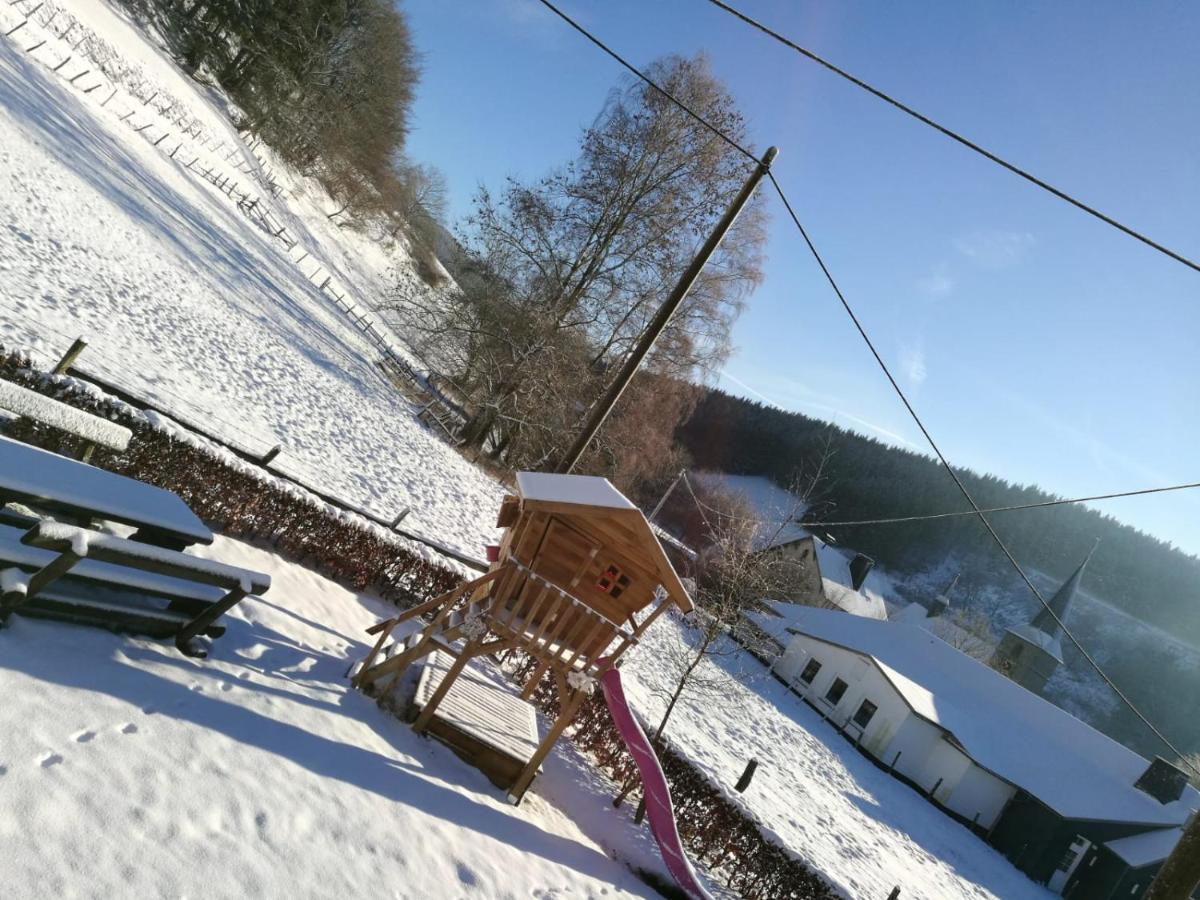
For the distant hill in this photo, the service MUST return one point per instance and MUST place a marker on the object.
(867, 479)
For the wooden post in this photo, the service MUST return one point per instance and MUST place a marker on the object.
(744, 781)
(662, 318)
(1180, 874)
(895, 894)
(567, 710)
(69, 357)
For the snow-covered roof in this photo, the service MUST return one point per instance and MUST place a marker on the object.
(856, 603)
(1146, 848)
(944, 627)
(1016, 734)
(1048, 642)
(775, 507)
(586, 490)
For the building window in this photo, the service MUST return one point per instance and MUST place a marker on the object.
(865, 711)
(835, 691)
(810, 671)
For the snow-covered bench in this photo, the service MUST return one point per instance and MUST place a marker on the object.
(95, 431)
(65, 572)
(69, 489)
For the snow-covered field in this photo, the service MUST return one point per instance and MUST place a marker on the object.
(129, 770)
(185, 301)
(866, 831)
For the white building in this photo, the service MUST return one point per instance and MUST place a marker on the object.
(1043, 787)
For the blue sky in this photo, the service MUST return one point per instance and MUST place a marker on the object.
(1038, 344)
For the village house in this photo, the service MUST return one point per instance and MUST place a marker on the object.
(823, 575)
(1067, 805)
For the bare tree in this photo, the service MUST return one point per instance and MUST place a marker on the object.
(732, 578)
(566, 273)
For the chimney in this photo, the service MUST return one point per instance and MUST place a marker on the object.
(1162, 781)
(860, 568)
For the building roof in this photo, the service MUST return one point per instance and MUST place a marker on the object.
(776, 508)
(583, 490)
(1065, 763)
(1061, 601)
(1146, 848)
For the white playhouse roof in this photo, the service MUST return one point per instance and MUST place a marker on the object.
(582, 490)
(1065, 763)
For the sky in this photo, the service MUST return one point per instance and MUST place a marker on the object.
(1037, 343)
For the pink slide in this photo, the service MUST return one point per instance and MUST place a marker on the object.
(654, 784)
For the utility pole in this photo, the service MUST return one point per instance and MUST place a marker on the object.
(674, 484)
(1180, 874)
(605, 404)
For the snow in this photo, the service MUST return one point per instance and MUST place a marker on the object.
(1024, 739)
(186, 302)
(32, 405)
(38, 475)
(1147, 848)
(776, 507)
(130, 770)
(13, 581)
(1033, 635)
(863, 829)
(585, 490)
(858, 603)
(84, 541)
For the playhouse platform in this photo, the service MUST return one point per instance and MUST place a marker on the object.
(482, 718)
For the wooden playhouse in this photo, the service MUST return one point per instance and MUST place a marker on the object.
(578, 579)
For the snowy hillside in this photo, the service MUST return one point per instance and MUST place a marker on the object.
(186, 301)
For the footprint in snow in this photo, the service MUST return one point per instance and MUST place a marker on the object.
(84, 737)
(3, 771)
(466, 874)
(49, 760)
(129, 728)
(226, 687)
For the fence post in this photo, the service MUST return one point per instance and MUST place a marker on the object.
(744, 781)
(69, 357)
(895, 894)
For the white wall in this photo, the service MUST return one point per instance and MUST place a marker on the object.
(926, 756)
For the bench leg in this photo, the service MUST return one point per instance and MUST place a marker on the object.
(183, 639)
(38, 581)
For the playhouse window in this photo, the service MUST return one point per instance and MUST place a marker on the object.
(612, 582)
(865, 711)
(836, 690)
(810, 671)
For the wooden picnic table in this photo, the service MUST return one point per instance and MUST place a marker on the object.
(64, 486)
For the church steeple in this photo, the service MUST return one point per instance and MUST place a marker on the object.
(1029, 654)
(1061, 601)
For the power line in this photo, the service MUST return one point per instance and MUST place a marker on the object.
(994, 509)
(649, 81)
(955, 136)
(975, 508)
